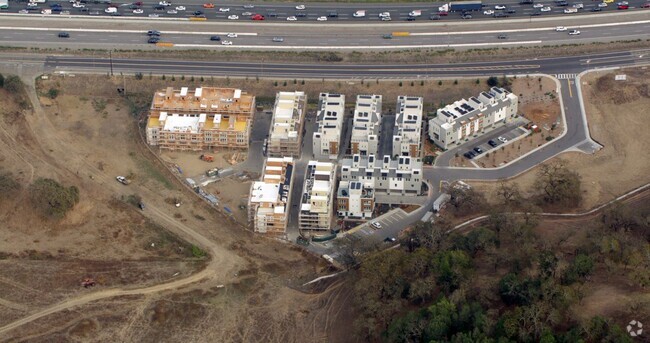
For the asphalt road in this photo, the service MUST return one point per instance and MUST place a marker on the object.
(319, 39)
(280, 11)
(559, 65)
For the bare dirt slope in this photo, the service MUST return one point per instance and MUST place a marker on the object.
(160, 292)
(617, 116)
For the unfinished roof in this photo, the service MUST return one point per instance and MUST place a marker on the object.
(204, 99)
(182, 122)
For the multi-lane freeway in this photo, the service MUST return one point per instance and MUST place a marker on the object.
(333, 12)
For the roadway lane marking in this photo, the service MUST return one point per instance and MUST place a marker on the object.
(124, 31)
(638, 22)
(568, 82)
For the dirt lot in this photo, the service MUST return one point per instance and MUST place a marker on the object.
(616, 112)
(85, 137)
(538, 102)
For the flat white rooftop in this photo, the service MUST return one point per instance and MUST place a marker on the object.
(182, 123)
(265, 192)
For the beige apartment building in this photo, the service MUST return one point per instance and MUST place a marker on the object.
(285, 136)
(205, 118)
(317, 198)
(268, 204)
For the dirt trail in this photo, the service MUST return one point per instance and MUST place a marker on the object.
(216, 266)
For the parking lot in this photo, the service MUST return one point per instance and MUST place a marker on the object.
(493, 141)
(388, 225)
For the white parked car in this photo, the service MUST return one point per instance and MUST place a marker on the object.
(538, 5)
(300, 7)
(226, 42)
(233, 17)
(180, 8)
(384, 14)
(376, 225)
(488, 12)
(602, 4)
(545, 9)
(323, 18)
(231, 35)
(164, 3)
(574, 32)
(503, 139)
(172, 12)
(292, 18)
(499, 7)
(138, 11)
(32, 4)
(224, 9)
(78, 5)
(560, 29)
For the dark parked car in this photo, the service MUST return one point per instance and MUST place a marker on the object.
(478, 150)
(215, 38)
(502, 36)
(153, 33)
(153, 40)
(492, 143)
(64, 35)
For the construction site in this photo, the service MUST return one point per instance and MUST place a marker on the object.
(206, 118)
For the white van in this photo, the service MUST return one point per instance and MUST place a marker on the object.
(111, 10)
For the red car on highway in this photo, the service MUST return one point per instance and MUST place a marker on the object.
(623, 7)
(257, 17)
(646, 5)
(208, 5)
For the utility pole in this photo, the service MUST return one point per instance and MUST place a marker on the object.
(110, 58)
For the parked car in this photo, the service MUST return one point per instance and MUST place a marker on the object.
(376, 225)
(492, 143)
(503, 139)
(389, 239)
(119, 178)
(478, 150)
(215, 38)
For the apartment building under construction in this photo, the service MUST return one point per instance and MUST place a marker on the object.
(268, 204)
(206, 118)
(287, 125)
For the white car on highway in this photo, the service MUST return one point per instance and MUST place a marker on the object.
(602, 4)
(226, 42)
(574, 32)
(23, 11)
(231, 35)
(224, 9)
(78, 5)
(386, 19)
(164, 3)
(138, 11)
(172, 12)
(545, 9)
(384, 14)
(499, 7)
(233, 17)
(560, 29)
(488, 12)
(292, 18)
(300, 7)
(180, 8)
(538, 5)
(32, 4)
(322, 18)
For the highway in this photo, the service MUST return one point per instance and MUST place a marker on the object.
(344, 12)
